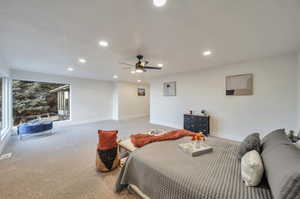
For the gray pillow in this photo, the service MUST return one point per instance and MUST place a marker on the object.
(282, 166)
(275, 138)
(278, 134)
(251, 142)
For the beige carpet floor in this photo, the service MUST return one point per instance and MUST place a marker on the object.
(62, 166)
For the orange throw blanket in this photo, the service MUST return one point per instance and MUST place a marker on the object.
(139, 140)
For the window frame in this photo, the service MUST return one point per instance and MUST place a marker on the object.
(6, 107)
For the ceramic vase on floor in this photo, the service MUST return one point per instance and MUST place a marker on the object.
(107, 157)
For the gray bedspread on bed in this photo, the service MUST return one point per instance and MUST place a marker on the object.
(162, 170)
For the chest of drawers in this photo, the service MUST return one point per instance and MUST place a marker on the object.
(196, 123)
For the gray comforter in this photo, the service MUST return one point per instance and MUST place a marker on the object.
(162, 170)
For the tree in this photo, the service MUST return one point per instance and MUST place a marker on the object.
(32, 98)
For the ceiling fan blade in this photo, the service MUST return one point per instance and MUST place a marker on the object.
(152, 67)
(123, 63)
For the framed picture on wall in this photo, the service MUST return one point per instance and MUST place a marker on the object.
(238, 85)
(141, 92)
(169, 89)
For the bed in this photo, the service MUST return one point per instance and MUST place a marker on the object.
(162, 170)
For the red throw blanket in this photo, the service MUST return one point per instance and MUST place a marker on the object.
(139, 140)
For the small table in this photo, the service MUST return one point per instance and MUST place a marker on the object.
(127, 147)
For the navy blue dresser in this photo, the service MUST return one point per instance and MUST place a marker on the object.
(196, 123)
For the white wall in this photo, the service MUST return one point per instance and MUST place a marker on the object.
(91, 100)
(115, 102)
(128, 104)
(298, 83)
(4, 71)
(272, 106)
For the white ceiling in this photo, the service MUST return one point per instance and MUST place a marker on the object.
(48, 36)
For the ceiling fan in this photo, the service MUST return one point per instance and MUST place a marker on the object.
(141, 66)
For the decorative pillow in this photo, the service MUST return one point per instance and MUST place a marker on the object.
(276, 137)
(282, 167)
(251, 142)
(252, 168)
(107, 157)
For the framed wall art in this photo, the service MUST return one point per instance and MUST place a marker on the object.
(141, 92)
(169, 89)
(238, 85)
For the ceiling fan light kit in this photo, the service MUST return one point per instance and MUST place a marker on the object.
(139, 70)
(141, 66)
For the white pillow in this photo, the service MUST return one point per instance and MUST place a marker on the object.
(252, 168)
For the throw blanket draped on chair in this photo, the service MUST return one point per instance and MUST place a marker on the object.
(140, 140)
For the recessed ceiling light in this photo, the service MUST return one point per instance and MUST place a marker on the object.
(160, 65)
(139, 80)
(159, 3)
(115, 77)
(81, 60)
(139, 70)
(103, 43)
(70, 69)
(132, 72)
(207, 53)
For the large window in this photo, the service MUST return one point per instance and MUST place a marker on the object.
(40, 100)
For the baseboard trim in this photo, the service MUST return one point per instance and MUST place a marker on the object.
(175, 126)
(68, 123)
(130, 117)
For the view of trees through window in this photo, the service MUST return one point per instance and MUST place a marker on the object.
(40, 101)
(1, 102)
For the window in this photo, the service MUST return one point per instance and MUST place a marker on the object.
(40, 100)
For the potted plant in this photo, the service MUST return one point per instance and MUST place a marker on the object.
(204, 112)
